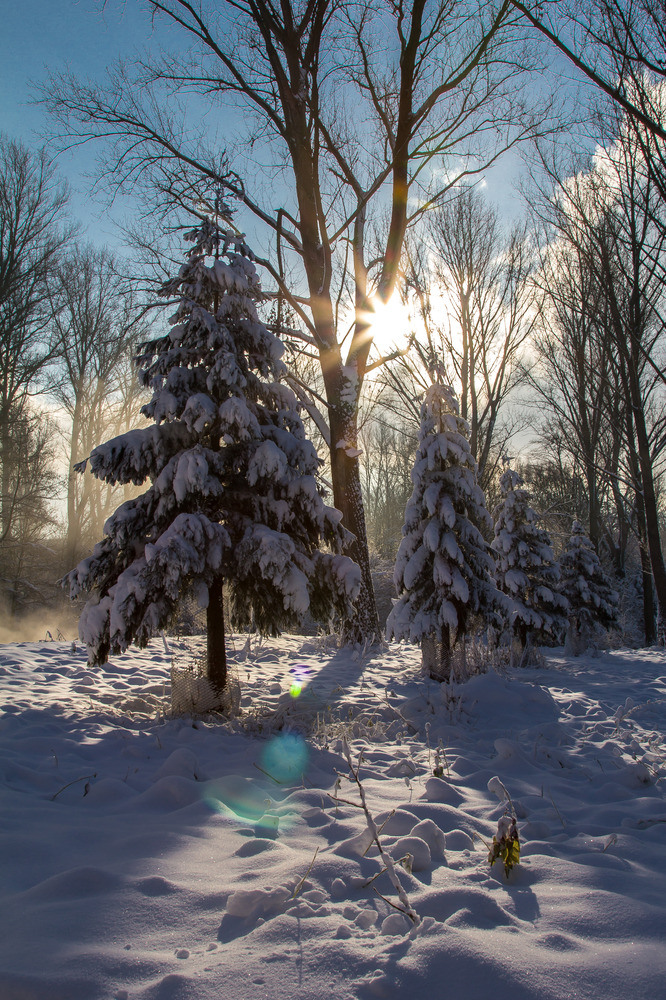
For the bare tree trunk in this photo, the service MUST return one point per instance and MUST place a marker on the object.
(73, 514)
(649, 610)
(648, 599)
(5, 504)
(436, 653)
(591, 477)
(652, 522)
(348, 498)
(216, 654)
(630, 352)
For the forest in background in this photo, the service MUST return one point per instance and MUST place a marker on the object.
(550, 331)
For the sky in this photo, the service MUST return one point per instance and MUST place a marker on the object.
(85, 37)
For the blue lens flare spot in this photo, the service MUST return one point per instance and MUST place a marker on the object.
(285, 757)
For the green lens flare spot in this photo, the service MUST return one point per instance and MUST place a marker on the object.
(295, 689)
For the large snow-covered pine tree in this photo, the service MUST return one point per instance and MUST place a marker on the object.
(444, 567)
(592, 600)
(525, 566)
(234, 501)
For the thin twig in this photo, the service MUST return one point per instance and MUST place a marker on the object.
(372, 826)
(564, 825)
(85, 777)
(381, 872)
(268, 774)
(301, 883)
(395, 906)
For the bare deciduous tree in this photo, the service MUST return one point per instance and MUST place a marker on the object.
(95, 334)
(32, 237)
(477, 307)
(572, 376)
(613, 214)
(620, 47)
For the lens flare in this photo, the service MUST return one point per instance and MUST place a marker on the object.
(233, 795)
(285, 757)
(301, 674)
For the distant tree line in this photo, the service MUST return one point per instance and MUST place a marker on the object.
(68, 328)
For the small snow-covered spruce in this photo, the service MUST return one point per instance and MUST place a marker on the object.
(444, 567)
(525, 567)
(234, 501)
(592, 600)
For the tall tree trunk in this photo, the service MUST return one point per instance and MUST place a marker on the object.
(436, 652)
(6, 486)
(343, 383)
(6, 509)
(73, 542)
(649, 624)
(594, 513)
(216, 654)
(651, 512)
(348, 498)
(649, 627)
(629, 346)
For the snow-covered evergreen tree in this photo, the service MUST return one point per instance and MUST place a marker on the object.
(234, 501)
(525, 566)
(592, 600)
(444, 568)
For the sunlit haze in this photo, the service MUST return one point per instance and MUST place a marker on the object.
(390, 325)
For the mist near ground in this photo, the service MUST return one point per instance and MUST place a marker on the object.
(45, 625)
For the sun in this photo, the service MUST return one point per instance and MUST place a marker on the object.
(389, 325)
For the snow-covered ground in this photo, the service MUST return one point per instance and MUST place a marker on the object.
(156, 858)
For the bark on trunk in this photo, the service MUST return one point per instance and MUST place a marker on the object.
(342, 395)
(649, 626)
(649, 610)
(593, 501)
(436, 655)
(74, 508)
(651, 520)
(6, 506)
(216, 654)
(348, 498)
